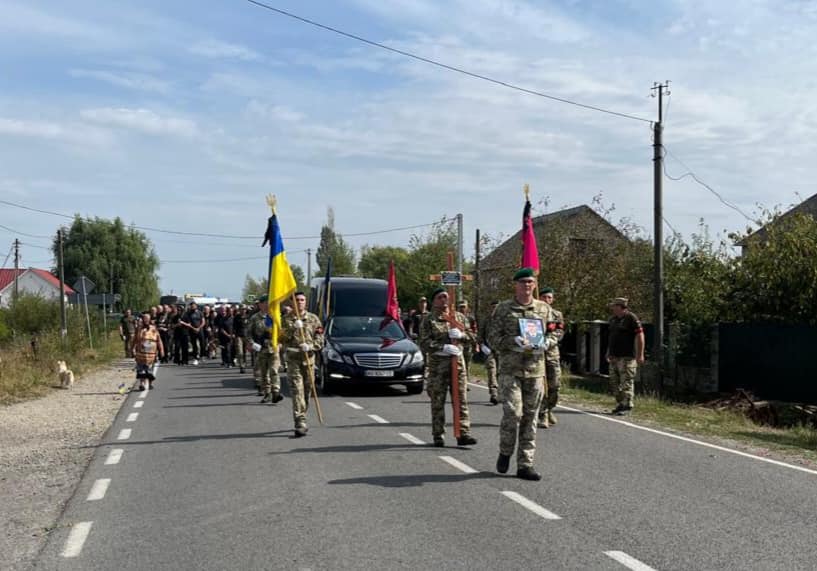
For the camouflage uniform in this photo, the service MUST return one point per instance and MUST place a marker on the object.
(490, 360)
(265, 370)
(520, 379)
(433, 335)
(300, 365)
(553, 368)
(469, 342)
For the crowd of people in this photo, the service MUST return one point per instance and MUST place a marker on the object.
(519, 341)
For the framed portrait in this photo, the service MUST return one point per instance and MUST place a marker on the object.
(532, 330)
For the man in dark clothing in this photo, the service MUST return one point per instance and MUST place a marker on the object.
(625, 351)
(162, 322)
(225, 326)
(240, 332)
(195, 324)
(181, 336)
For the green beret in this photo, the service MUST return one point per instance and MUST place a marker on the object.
(545, 290)
(523, 273)
(437, 292)
(263, 299)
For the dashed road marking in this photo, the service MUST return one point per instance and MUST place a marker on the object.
(532, 506)
(628, 561)
(99, 489)
(693, 441)
(76, 539)
(143, 394)
(132, 417)
(458, 465)
(411, 438)
(114, 456)
(354, 405)
(378, 419)
(124, 434)
(139, 404)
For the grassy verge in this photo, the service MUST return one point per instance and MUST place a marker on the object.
(592, 394)
(24, 375)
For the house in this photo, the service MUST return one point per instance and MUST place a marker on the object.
(582, 255)
(808, 207)
(30, 281)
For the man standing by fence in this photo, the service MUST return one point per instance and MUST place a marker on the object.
(625, 351)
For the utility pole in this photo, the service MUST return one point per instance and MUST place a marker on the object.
(476, 277)
(459, 254)
(308, 268)
(658, 228)
(16, 269)
(61, 271)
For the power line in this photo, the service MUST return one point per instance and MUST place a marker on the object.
(35, 246)
(13, 231)
(216, 261)
(694, 177)
(208, 235)
(7, 256)
(443, 65)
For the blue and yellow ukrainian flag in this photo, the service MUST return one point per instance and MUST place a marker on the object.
(281, 281)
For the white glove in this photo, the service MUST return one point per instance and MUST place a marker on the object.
(546, 344)
(256, 347)
(485, 350)
(299, 324)
(452, 350)
(455, 333)
(306, 347)
(520, 341)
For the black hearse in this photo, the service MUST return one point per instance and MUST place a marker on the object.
(360, 347)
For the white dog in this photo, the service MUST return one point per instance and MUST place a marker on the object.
(66, 375)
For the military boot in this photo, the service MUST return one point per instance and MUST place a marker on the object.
(466, 440)
(528, 473)
(503, 462)
(439, 441)
(494, 400)
(277, 397)
(267, 398)
(551, 417)
(300, 431)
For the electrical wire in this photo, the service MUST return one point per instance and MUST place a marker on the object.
(208, 235)
(35, 246)
(215, 261)
(13, 231)
(694, 177)
(443, 65)
(7, 256)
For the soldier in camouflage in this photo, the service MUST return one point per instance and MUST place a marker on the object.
(490, 356)
(266, 356)
(521, 375)
(439, 338)
(553, 364)
(469, 343)
(302, 337)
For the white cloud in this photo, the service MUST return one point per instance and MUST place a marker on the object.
(217, 49)
(52, 131)
(128, 80)
(141, 120)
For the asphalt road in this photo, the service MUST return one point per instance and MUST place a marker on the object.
(198, 475)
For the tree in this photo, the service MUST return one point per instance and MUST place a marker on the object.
(260, 286)
(335, 247)
(107, 251)
(428, 254)
(776, 278)
(374, 263)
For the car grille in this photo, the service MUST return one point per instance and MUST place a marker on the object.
(379, 360)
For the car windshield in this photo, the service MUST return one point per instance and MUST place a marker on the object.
(365, 327)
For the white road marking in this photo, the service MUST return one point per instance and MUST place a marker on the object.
(132, 416)
(76, 539)
(114, 456)
(693, 441)
(411, 438)
(143, 394)
(99, 489)
(628, 562)
(124, 434)
(532, 506)
(355, 405)
(458, 465)
(478, 386)
(378, 419)
(139, 404)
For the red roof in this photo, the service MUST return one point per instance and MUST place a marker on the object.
(7, 277)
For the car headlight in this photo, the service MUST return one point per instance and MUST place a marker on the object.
(333, 355)
(416, 358)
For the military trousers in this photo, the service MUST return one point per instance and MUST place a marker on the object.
(622, 380)
(439, 386)
(553, 374)
(267, 372)
(490, 368)
(240, 351)
(300, 371)
(521, 399)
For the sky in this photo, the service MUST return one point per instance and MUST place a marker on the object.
(184, 115)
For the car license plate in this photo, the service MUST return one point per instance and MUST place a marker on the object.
(371, 373)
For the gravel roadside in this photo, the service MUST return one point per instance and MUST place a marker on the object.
(45, 447)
